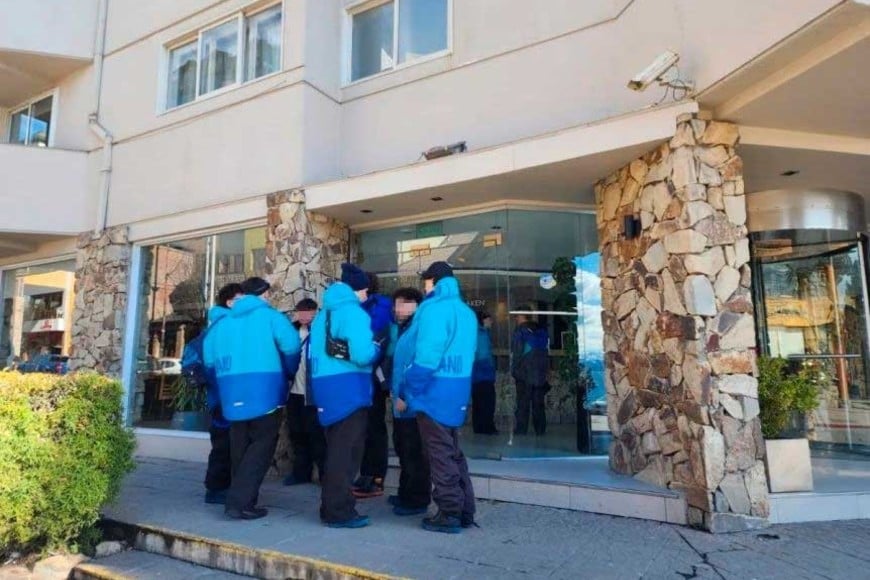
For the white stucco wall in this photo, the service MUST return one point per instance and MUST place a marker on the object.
(51, 27)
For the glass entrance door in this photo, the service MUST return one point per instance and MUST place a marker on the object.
(812, 309)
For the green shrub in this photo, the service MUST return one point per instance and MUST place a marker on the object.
(782, 392)
(63, 454)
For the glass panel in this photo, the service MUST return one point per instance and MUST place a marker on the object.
(263, 43)
(813, 312)
(18, 127)
(502, 260)
(179, 283)
(40, 122)
(218, 57)
(37, 309)
(422, 28)
(182, 76)
(372, 44)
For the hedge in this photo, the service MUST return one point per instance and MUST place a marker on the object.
(64, 451)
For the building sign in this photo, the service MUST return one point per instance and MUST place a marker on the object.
(48, 325)
(430, 230)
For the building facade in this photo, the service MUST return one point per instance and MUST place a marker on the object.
(152, 152)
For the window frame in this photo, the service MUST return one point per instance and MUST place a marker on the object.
(25, 106)
(241, 16)
(347, 36)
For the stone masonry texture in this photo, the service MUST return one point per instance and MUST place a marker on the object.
(102, 268)
(679, 328)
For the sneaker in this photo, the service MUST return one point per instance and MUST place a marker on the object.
(218, 497)
(444, 523)
(293, 480)
(352, 524)
(254, 513)
(401, 510)
(366, 487)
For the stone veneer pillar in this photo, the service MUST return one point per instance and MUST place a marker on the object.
(102, 268)
(304, 252)
(679, 326)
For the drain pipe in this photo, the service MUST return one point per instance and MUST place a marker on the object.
(97, 128)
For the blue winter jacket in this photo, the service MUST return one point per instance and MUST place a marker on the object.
(530, 349)
(253, 353)
(484, 364)
(437, 381)
(341, 387)
(401, 356)
(193, 367)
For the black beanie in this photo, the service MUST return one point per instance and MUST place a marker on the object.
(354, 277)
(437, 271)
(255, 286)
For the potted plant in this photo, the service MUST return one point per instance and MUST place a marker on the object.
(189, 403)
(786, 394)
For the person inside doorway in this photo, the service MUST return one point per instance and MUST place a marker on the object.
(483, 379)
(415, 485)
(305, 433)
(530, 362)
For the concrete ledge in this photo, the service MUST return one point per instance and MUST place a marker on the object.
(91, 571)
(792, 508)
(230, 557)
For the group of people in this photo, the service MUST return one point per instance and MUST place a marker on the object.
(332, 371)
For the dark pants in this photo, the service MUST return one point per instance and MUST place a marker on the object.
(530, 399)
(218, 474)
(252, 445)
(415, 486)
(344, 449)
(453, 492)
(307, 438)
(483, 407)
(374, 461)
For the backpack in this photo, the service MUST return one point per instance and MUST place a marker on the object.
(192, 366)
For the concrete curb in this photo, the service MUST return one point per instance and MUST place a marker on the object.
(92, 571)
(229, 557)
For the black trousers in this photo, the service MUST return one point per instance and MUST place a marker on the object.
(375, 456)
(306, 437)
(483, 407)
(453, 492)
(530, 399)
(415, 485)
(252, 445)
(345, 441)
(218, 473)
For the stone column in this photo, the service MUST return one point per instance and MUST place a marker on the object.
(679, 327)
(304, 252)
(102, 268)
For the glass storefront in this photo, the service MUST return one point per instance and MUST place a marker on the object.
(812, 310)
(178, 285)
(36, 311)
(504, 261)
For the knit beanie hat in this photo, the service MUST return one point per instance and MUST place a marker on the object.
(354, 277)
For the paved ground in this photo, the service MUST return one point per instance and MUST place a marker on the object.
(514, 541)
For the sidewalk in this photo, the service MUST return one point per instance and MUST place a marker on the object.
(514, 541)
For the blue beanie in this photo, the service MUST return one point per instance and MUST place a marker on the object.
(354, 277)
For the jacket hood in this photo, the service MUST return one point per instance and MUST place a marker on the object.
(247, 304)
(216, 313)
(338, 295)
(446, 287)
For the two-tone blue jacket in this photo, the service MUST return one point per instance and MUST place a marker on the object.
(403, 340)
(193, 367)
(252, 353)
(484, 363)
(436, 378)
(341, 387)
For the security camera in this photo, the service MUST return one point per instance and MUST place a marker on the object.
(654, 72)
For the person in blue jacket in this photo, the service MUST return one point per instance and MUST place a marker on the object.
(415, 484)
(253, 353)
(218, 473)
(436, 386)
(373, 469)
(342, 351)
(483, 379)
(530, 361)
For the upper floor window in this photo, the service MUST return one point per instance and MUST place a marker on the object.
(389, 34)
(31, 124)
(242, 49)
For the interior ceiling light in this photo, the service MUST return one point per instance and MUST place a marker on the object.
(790, 172)
(445, 150)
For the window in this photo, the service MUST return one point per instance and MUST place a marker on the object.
(397, 32)
(239, 50)
(31, 125)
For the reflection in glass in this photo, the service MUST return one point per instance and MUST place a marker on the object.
(422, 28)
(179, 283)
(218, 57)
(19, 127)
(372, 41)
(40, 122)
(263, 43)
(182, 75)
